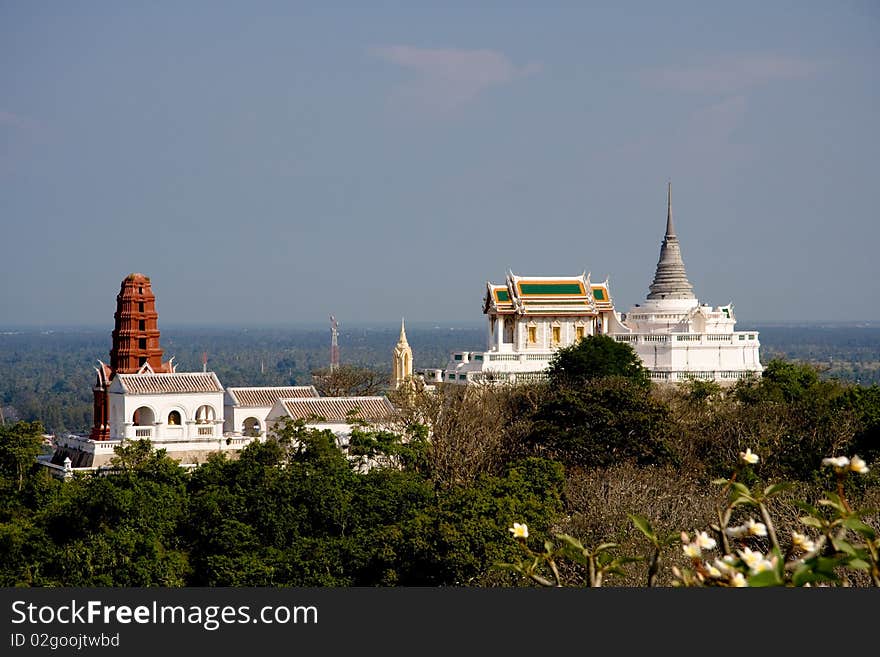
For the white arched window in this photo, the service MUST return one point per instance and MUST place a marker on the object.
(251, 427)
(143, 416)
(205, 414)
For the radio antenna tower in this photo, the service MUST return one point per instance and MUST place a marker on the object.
(334, 344)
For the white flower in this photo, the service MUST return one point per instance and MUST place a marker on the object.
(749, 457)
(692, 550)
(756, 561)
(738, 580)
(803, 542)
(840, 463)
(723, 565)
(750, 558)
(519, 530)
(858, 465)
(756, 528)
(705, 541)
(763, 565)
(714, 572)
(736, 532)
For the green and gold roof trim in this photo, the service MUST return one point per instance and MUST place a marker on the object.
(602, 296)
(544, 295)
(498, 300)
(559, 289)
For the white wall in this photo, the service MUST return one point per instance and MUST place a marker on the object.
(123, 406)
(234, 417)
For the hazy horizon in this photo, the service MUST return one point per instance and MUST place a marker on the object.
(385, 326)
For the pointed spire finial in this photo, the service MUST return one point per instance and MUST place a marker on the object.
(670, 279)
(670, 228)
(402, 330)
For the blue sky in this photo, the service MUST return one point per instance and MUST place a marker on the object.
(270, 163)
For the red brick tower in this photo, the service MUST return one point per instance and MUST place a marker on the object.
(135, 344)
(136, 334)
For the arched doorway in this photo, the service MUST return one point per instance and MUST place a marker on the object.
(144, 417)
(251, 427)
(205, 414)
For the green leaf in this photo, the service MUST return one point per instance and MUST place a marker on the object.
(572, 541)
(624, 560)
(644, 526)
(605, 546)
(548, 546)
(813, 511)
(780, 563)
(511, 566)
(834, 502)
(605, 560)
(858, 526)
(810, 521)
(742, 489)
(826, 565)
(843, 546)
(765, 578)
(738, 500)
(805, 574)
(859, 564)
(833, 497)
(721, 482)
(772, 489)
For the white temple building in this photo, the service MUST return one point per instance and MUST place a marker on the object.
(336, 414)
(188, 414)
(676, 337)
(529, 318)
(679, 338)
(246, 409)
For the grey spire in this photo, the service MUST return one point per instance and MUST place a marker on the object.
(670, 279)
(670, 228)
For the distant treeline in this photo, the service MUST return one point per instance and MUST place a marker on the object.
(48, 375)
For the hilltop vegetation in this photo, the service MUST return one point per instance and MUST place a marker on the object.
(579, 456)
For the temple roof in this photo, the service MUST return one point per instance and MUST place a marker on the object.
(547, 295)
(262, 397)
(499, 299)
(160, 384)
(602, 296)
(337, 409)
(670, 279)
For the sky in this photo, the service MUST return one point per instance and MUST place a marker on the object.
(271, 163)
